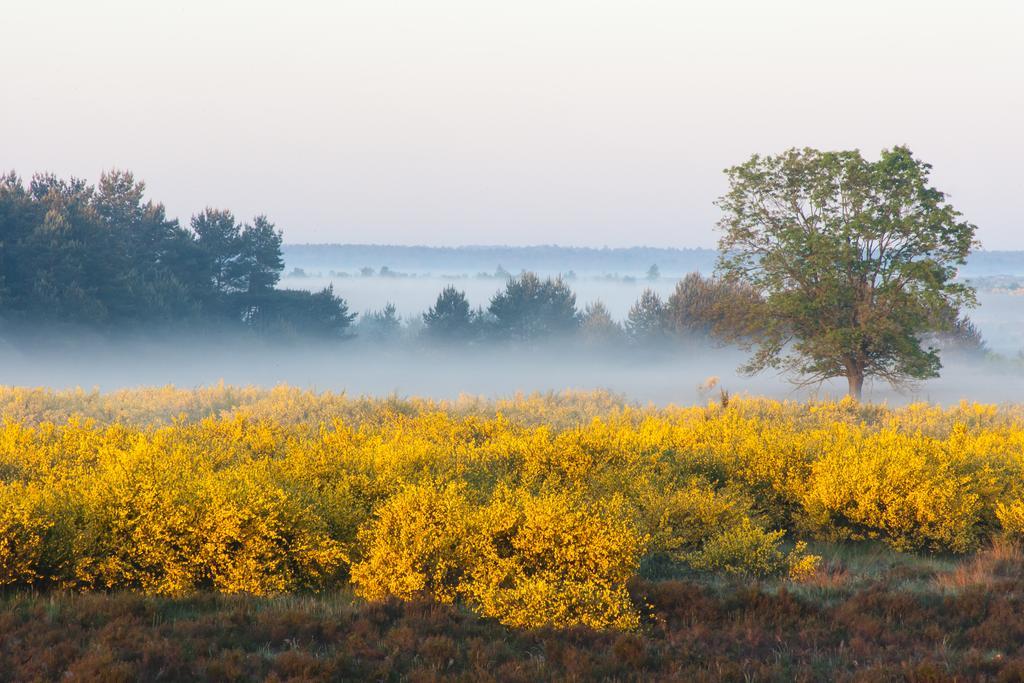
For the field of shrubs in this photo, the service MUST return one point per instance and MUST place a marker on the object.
(541, 512)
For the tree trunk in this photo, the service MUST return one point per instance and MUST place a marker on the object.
(856, 381)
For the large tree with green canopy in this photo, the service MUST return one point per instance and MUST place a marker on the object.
(855, 261)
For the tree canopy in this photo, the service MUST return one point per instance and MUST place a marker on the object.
(530, 308)
(105, 256)
(855, 261)
(647, 322)
(450, 318)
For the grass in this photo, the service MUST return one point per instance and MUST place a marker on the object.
(869, 614)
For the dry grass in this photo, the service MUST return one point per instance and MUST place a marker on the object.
(878, 625)
(1003, 561)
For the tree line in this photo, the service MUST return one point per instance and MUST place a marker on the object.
(531, 308)
(71, 252)
(104, 256)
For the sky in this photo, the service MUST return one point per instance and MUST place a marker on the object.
(447, 122)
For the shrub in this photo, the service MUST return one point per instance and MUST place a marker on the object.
(416, 545)
(1011, 518)
(749, 550)
(143, 523)
(535, 510)
(907, 489)
(556, 560)
(683, 519)
(23, 532)
(262, 538)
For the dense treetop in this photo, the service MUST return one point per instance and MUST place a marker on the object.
(856, 261)
(103, 255)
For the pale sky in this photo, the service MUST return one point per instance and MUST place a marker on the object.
(578, 122)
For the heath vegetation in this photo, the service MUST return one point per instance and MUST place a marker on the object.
(537, 511)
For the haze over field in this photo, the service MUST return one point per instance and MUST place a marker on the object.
(411, 369)
(615, 277)
(643, 377)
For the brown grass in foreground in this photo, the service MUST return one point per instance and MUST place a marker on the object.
(868, 617)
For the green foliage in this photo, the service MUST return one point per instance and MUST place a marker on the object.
(297, 313)
(530, 308)
(750, 550)
(260, 255)
(855, 260)
(450, 318)
(220, 238)
(380, 326)
(702, 308)
(647, 322)
(104, 256)
(598, 328)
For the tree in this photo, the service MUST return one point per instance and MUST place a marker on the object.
(380, 326)
(220, 237)
(530, 308)
(18, 216)
(598, 328)
(955, 332)
(710, 307)
(855, 260)
(105, 256)
(653, 273)
(646, 322)
(68, 262)
(151, 282)
(450, 318)
(260, 261)
(296, 312)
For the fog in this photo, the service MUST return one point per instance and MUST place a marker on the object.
(1000, 317)
(999, 314)
(69, 357)
(352, 367)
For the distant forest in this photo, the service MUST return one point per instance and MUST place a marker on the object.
(552, 259)
(544, 259)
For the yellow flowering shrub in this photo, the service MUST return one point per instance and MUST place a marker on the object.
(143, 522)
(750, 550)
(23, 531)
(714, 530)
(534, 510)
(261, 537)
(1011, 518)
(415, 546)
(682, 519)
(908, 489)
(555, 559)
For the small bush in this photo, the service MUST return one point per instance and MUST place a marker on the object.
(416, 545)
(1011, 519)
(556, 560)
(23, 535)
(748, 549)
